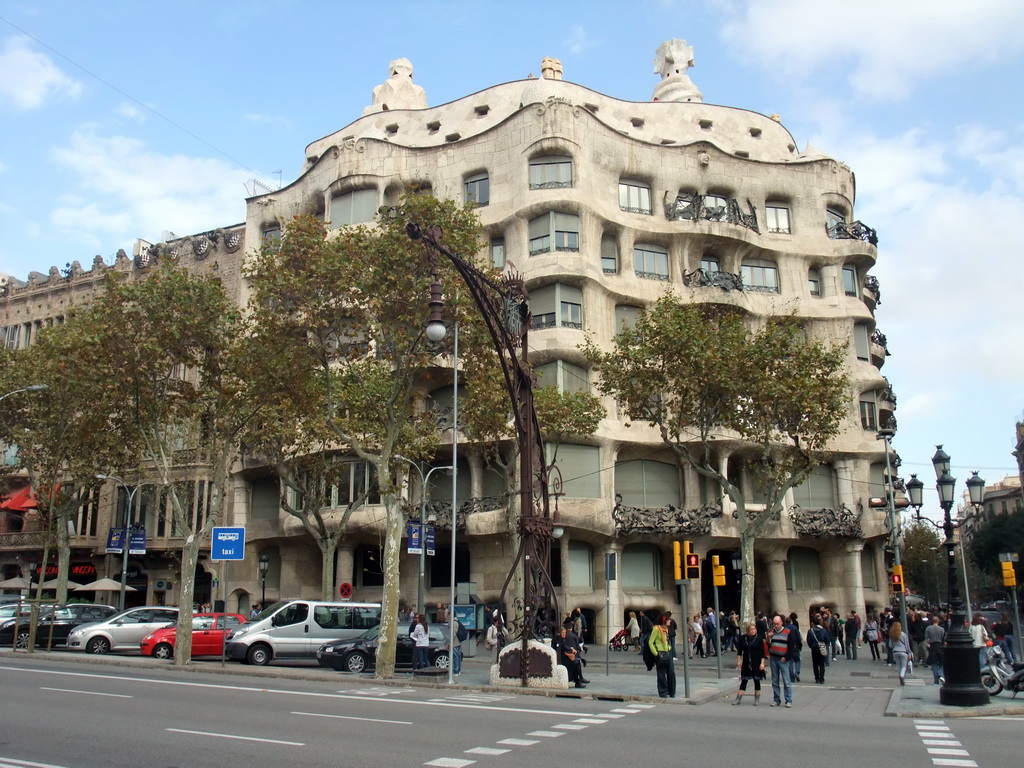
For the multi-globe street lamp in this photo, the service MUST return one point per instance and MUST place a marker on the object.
(264, 567)
(962, 685)
(503, 305)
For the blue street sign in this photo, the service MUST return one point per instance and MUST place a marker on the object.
(228, 543)
(115, 541)
(430, 539)
(137, 541)
(415, 534)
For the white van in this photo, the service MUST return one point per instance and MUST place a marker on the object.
(295, 629)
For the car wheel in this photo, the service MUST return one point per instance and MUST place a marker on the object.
(23, 640)
(163, 651)
(355, 662)
(991, 684)
(98, 645)
(259, 655)
(442, 660)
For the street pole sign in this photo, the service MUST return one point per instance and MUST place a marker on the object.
(415, 534)
(228, 543)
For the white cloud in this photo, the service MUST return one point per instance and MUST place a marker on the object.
(130, 111)
(29, 78)
(893, 45)
(126, 190)
(579, 40)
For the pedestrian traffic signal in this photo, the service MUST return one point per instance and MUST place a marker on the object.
(897, 578)
(717, 571)
(692, 561)
(1009, 575)
(677, 561)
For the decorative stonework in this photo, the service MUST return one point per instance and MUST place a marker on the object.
(671, 61)
(398, 91)
(664, 520)
(841, 521)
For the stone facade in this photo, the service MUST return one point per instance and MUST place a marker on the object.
(603, 205)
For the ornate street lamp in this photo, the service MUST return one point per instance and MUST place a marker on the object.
(962, 684)
(264, 567)
(504, 307)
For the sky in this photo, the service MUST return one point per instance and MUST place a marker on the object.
(123, 120)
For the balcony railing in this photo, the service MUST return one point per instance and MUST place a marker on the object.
(855, 230)
(701, 278)
(693, 207)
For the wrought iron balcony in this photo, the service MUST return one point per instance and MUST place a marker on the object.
(701, 278)
(855, 230)
(694, 207)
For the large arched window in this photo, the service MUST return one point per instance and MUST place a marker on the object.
(641, 567)
(648, 484)
(868, 574)
(580, 468)
(581, 564)
(818, 491)
(803, 570)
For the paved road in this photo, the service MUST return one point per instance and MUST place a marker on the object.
(77, 711)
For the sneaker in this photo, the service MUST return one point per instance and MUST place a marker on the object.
(776, 703)
(789, 705)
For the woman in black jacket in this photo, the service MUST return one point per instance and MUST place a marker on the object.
(750, 661)
(818, 639)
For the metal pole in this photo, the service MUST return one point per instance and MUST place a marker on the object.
(686, 642)
(1016, 625)
(455, 507)
(967, 588)
(125, 544)
(718, 636)
(897, 560)
(607, 616)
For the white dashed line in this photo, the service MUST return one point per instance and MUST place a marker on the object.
(546, 734)
(569, 727)
(942, 745)
(486, 751)
(589, 720)
(627, 711)
(518, 742)
(450, 762)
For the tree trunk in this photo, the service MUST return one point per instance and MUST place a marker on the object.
(328, 548)
(747, 591)
(63, 559)
(388, 637)
(186, 598)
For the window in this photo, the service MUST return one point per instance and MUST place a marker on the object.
(877, 488)
(354, 207)
(818, 491)
(440, 484)
(641, 566)
(777, 218)
(860, 341)
(803, 569)
(625, 316)
(565, 376)
(716, 208)
(609, 255)
(647, 484)
(441, 568)
(635, 197)
(834, 218)
(478, 189)
(581, 564)
(580, 468)
(498, 252)
(814, 281)
(651, 262)
(851, 284)
(868, 574)
(561, 229)
(271, 233)
(369, 567)
(868, 411)
(354, 479)
(557, 305)
(710, 265)
(760, 275)
(550, 172)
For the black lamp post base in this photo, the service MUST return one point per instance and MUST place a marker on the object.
(963, 686)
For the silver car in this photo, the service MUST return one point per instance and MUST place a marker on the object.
(122, 631)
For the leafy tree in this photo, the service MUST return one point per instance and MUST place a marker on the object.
(346, 315)
(924, 562)
(1003, 533)
(61, 435)
(708, 382)
(166, 346)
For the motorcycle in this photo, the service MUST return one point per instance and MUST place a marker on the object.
(999, 675)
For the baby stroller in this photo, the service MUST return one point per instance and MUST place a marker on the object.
(620, 642)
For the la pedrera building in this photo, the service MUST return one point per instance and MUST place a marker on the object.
(602, 204)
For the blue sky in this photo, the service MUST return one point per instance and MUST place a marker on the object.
(125, 119)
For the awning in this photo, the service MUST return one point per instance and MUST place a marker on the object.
(19, 500)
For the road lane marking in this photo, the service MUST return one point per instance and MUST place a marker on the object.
(450, 762)
(953, 763)
(590, 720)
(519, 742)
(281, 691)
(238, 738)
(627, 711)
(949, 752)
(570, 727)
(547, 734)
(88, 693)
(12, 761)
(493, 751)
(348, 717)
(941, 744)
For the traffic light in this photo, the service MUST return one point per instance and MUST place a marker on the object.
(677, 561)
(717, 571)
(692, 561)
(1009, 575)
(897, 578)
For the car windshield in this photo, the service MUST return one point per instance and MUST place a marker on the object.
(270, 610)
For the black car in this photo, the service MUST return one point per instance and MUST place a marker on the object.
(360, 653)
(60, 619)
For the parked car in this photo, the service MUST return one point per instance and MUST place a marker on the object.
(294, 629)
(208, 632)
(122, 631)
(360, 653)
(54, 623)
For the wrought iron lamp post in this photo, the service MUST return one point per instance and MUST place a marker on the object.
(886, 435)
(505, 311)
(962, 686)
(264, 567)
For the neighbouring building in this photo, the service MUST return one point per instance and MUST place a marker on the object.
(603, 204)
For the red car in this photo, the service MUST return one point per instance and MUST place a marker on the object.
(208, 632)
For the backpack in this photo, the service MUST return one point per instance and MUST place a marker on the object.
(461, 632)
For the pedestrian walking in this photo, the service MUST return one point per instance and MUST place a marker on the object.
(935, 636)
(633, 630)
(461, 634)
(852, 631)
(781, 645)
(750, 661)
(918, 624)
(710, 622)
(793, 626)
(980, 638)
(421, 637)
(900, 644)
(697, 636)
(673, 629)
(820, 643)
(871, 633)
(665, 664)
